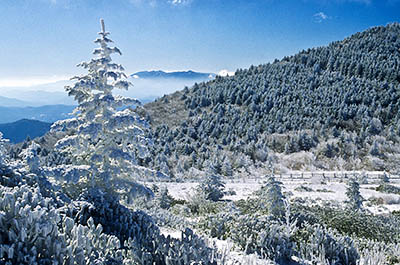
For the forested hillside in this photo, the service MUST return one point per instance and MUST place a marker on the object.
(20, 130)
(333, 107)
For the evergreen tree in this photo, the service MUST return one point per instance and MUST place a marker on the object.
(354, 198)
(212, 187)
(31, 157)
(3, 151)
(164, 199)
(384, 179)
(274, 197)
(106, 140)
(271, 197)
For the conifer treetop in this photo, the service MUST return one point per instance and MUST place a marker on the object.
(103, 75)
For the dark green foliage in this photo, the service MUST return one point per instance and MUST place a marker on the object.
(351, 223)
(337, 249)
(387, 188)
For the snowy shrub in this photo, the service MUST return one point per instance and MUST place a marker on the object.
(323, 246)
(138, 232)
(199, 203)
(303, 188)
(351, 223)
(387, 188)
(259, 234)
(218, 225)
(249, 206)
(31, 158)
(376, 200)
(33, 231)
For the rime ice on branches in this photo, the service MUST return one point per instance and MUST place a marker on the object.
(106, 140)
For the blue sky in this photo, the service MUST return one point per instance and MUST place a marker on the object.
(43, 40)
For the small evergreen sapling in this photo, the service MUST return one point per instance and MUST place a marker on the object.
(3, 151)
(271, 197)
(384, 178)
(164, 199)
(212, 187)
(354, 197)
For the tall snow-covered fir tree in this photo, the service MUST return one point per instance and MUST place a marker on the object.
(106, 139)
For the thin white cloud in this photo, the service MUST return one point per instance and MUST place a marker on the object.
(179, 2)
(320, 16)
(365, 2)
(30, 81)
(225, 72)
(155, 3)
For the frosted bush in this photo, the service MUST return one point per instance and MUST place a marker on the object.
(323, 246)
(33, 231)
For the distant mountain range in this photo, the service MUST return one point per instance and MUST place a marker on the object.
(174, 75)
(34, 96)
(18, 131)
(48, 113)
(13, 102)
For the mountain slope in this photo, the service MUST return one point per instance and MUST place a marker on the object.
(12, 102)
(338, 104)
(18, 131)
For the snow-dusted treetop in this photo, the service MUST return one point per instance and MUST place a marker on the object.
(106, 135)
(103, 75)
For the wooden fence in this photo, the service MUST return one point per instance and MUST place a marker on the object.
(334, 175)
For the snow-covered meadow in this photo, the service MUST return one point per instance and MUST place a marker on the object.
(330, 189)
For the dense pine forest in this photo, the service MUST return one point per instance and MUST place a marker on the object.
(332, 108)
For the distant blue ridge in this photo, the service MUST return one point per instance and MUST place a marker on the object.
(18, 131)
(177, 75)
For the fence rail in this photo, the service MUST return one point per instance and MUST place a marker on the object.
(334, 175)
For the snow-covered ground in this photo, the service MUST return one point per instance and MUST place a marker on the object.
(329, 189)
(315, 188)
